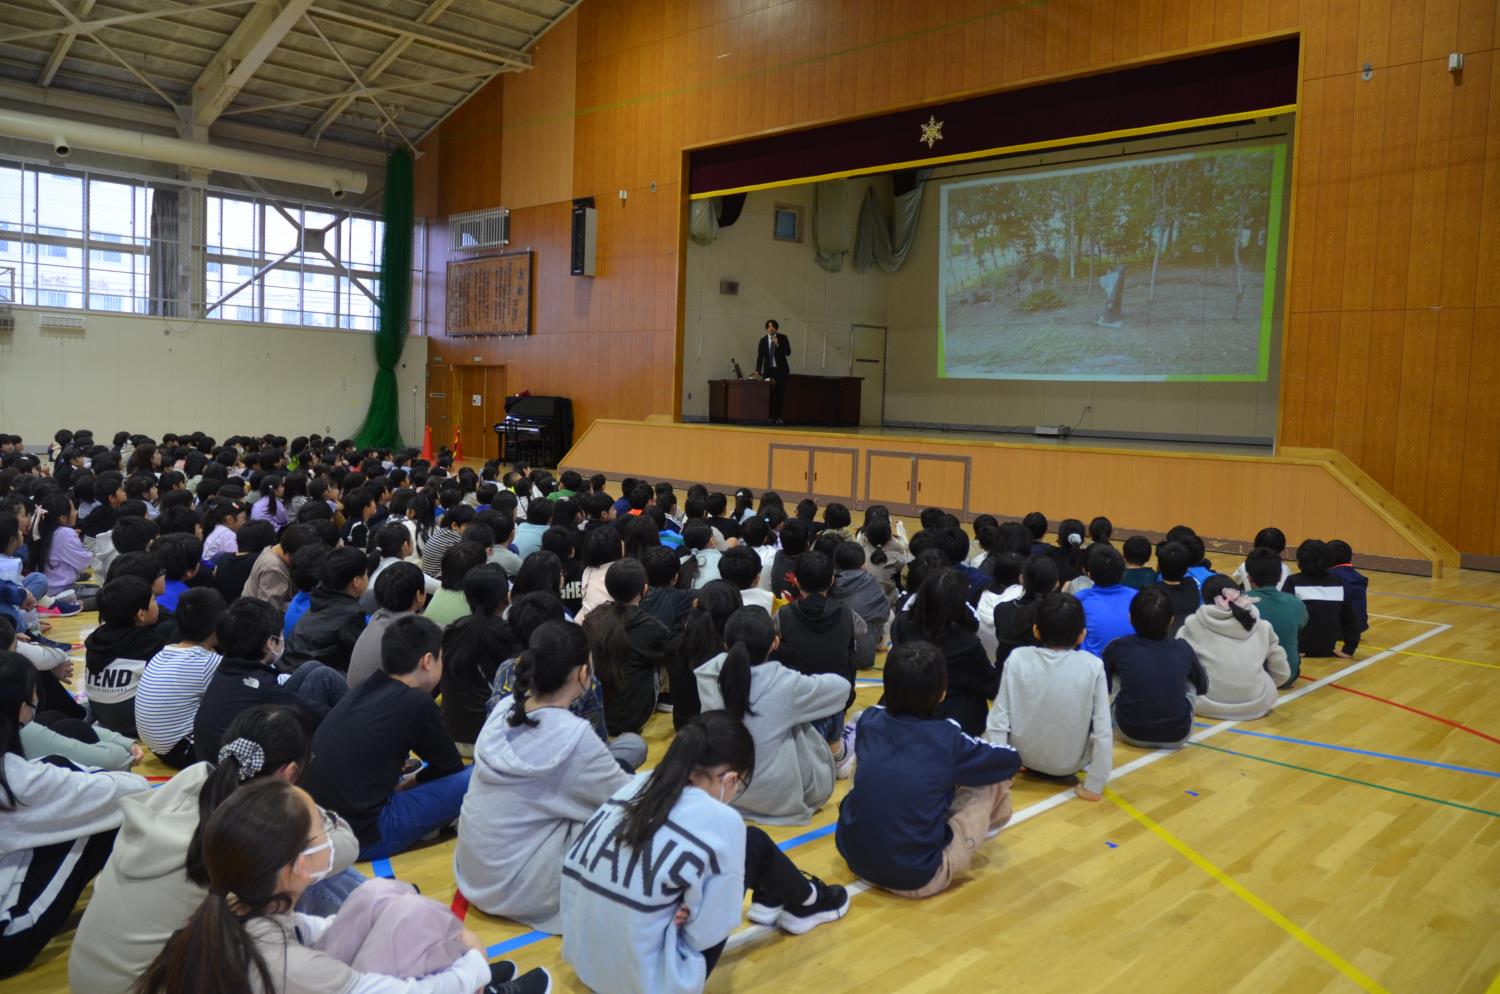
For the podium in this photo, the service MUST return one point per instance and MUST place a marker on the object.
(739, 401)
(809, 400)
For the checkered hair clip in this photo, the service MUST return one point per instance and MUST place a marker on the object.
(249, 756)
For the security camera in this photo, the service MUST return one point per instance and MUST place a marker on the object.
(61, 148)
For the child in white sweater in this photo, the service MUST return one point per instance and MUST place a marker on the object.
(1053, 704)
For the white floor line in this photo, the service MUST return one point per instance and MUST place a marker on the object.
(754, 933)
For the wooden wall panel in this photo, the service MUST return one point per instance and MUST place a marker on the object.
(1396, 186)
(1152, 492)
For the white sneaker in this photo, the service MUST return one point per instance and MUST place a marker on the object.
(844, 768)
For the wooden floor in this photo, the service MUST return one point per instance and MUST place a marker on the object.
(1349, 840)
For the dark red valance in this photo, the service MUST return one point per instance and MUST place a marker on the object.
(1215, 84)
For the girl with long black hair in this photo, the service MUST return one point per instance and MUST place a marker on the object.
(654, 883)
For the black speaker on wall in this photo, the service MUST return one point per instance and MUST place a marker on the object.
(585, 236)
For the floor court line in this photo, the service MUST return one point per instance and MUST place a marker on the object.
(1361, 752)
(1244, 893)
(1444, 659)
(1353, 780)
(1425, 714)
(1434, 600)
(753, 933)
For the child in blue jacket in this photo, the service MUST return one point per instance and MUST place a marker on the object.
(925, 795)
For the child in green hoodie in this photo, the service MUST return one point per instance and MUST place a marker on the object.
(1286, 613)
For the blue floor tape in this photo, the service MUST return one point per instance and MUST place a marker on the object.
(382, 868)
(1360, 752)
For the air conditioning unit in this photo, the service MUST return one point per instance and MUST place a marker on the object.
(473, 231)
(58, 321)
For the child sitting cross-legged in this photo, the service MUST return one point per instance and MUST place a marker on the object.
(925, 794)
(1053, 704)
(1156, 679)
(794, 766)
(1240, 653)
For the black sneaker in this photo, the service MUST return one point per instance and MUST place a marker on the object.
(502, 972)
(830, 904)
(537, 981)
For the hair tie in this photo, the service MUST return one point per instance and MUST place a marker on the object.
(1075, 539)
(36, 522)
(248, 754)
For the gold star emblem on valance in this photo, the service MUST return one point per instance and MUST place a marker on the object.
(932, 131)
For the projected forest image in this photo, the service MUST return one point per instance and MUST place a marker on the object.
(1152, 268)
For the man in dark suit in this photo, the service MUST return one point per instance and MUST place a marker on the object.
(771, 365)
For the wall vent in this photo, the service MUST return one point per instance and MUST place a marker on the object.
(473, 231)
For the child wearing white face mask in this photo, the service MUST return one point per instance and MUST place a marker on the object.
(655, 882)
(156, 874)
(262, 849)
(540, 772)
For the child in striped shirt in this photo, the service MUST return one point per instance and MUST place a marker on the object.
(175, 679)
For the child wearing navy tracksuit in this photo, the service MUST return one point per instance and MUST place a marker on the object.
(925, 795)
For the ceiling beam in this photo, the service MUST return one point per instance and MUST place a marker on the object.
(88, 27)
(60, 48)
(451, 41)
(382, 62)
(65, 104)
(350, 95)
(243, 52)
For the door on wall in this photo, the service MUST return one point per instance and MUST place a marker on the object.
(478, 402)
(439, 393)
(867, 362)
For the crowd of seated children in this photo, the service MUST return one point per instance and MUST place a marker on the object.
(550, 644)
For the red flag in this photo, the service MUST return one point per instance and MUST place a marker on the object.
(458, 444)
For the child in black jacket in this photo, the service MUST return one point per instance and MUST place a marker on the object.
(1330, 615)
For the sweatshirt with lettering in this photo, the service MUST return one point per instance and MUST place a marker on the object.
(618, 903)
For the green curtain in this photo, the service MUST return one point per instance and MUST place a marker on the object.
(381, 428)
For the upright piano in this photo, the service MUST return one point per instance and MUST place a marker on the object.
(538, 430)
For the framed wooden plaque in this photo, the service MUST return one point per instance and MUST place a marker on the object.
(490, 296)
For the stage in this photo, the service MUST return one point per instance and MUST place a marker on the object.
(1145, 488)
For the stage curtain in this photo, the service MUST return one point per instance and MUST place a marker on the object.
(885, 242)
(161, 253)
(703, 221)
(381, 428)
(831, 224)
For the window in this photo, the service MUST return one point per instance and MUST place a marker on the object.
(317, 268)
(74, 239)
(787, 223)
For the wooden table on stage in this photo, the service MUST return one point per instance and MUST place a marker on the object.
(739, 401)
(810, 400)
